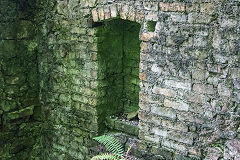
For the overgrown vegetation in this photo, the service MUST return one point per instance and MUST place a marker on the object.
(114, 149)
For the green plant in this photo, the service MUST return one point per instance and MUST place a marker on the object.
(114, 148)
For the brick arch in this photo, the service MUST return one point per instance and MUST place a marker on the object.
(125, 12)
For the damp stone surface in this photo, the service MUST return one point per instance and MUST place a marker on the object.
(66, 66)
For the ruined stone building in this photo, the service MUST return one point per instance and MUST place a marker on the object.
(69, 68)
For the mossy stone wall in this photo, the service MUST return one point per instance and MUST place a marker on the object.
(20, 117)
(118, 66)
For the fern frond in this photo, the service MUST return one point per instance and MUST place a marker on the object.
(105, 156)
(112, 144)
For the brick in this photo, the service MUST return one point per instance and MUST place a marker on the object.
(144, 106)
(164, 112)
(235, 73)
(101, 13)
(124, 11)
(160, 132)
(107, 12)
(143, 116)
(176, 105)
(154, 139)
(144, 46)
(199, 75)
(192, 7)
(174, 125)
(142, 76)
(176, 84)
(194, 151)
(223, 90)
(164, 91)
(189, 118)
(95, 15)
(151, 16)
(113, 10)
(132, 14)
(177, 17)
(197, 98)
(172, 7)
(195, 17)
(94, 74)
(202, 88)
(207, 8)
(147, 36)
(151, 6)
(174, 145)
(181, 137)
(139, 16)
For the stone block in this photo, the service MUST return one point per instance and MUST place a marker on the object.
(177, 84)
(107, 12)
(173, 145)
(8, 105)
(228, 23)
(189, 118)
(232, 150)
(177, 17)
(160, 132)
(124, 11)
(186, 138)
(172, 7)
(154, 139)
(156, 150)
(139, 16)
(197, 98)
(174, 125)
(142, 76)
(78, 30)
(151, 16)
(144, 106)
(176, 105)
(203, 88)
(101, 13)
(203, 18)
(28, 111)
(235, 73)
(199, 75)
(113, 10)
(164, 91)
(164, 112)
(151, 6)
(207, 8)
(224, 91)
(192, 7)
(144, 46)
(132, 14)
(147, 36)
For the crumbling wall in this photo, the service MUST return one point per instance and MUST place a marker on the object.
(19, 86)
(189, 71)
(189, 77)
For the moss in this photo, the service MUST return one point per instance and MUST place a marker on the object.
(151, 25)
(118, 56)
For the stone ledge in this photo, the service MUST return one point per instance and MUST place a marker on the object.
(122, 126)
(19, 114)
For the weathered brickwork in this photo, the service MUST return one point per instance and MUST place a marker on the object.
(19, 86)
(188, 74)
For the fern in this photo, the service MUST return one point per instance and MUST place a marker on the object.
(112, 145)
(105, 156)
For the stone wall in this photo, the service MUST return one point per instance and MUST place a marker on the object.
(189, 71)
(19, 86)
(189, 77)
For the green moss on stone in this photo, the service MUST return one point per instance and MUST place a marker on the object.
(118, 58)
(151, 26)
(19, 114)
